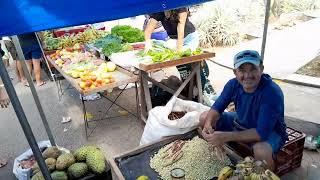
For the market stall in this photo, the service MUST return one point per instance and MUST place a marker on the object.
(144, 69)
(160, 57)
(91, 83)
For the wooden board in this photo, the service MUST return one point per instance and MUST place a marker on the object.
(185, 60)
(164, 141)
(121, 76)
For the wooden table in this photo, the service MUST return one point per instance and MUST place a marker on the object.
(123, 77)
(145, 69)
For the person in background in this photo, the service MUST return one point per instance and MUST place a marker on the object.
(33, 55)
(178, 26)
(159, 33)
(6, 56)
(11, 51)
(259, 117)
(4, 102)
(4, 99)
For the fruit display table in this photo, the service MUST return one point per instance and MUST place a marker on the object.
(121, 77)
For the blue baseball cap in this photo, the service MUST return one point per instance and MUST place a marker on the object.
(246, 56)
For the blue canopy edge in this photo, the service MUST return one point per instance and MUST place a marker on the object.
(23, 16)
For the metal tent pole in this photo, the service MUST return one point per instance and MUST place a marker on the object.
(33, 90)
(23, 120)
(265, 29)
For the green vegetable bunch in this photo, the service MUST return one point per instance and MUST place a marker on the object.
(128, 33)
(52, 43)
(111, 47)
(100, 43)
(114, 47)
(159, 53)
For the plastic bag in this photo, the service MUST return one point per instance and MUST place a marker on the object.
(158, 125)
(25, 174)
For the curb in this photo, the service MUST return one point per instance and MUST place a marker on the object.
(291, 79)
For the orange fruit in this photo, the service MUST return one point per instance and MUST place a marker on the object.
(82, 85)
(107, 81)
(88, 83)
(93, 78)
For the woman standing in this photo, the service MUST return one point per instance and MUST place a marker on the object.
(33, 55)
(4, 99)
(178, 26)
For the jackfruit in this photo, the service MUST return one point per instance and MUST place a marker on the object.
(51, 163)
(81, 153)
(96, 161)
(64, 161)
(77, 170)
(35, 169)
(59, 175)
(38, 176)
(51, 152)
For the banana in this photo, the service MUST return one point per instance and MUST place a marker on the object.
(253, 176)
(271, 175)
(265, 177)
(240, 166)
(225, 173)
(249, 159)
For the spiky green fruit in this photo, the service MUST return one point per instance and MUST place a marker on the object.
(59, 175)
(51, 152)
(64, 161)
(96, 161)
(77, 170)
(81, 153)
(38, 176)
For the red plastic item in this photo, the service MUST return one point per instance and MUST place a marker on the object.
(290, 156)
(62, 32)
(287, 159)
(138, 46)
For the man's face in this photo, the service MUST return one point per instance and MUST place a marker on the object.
(249, 76)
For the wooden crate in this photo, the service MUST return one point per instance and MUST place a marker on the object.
(288, 158)
(114, 162)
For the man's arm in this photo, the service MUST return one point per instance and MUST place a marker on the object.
(218, 138)
(218, 107)
(211, 119)
(249, 135)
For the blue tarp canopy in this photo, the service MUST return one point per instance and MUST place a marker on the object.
(22, 16)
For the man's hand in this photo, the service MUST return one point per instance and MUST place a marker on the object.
(207, 128)
(217, 138)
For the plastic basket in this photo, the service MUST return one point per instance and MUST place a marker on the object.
(287, 159)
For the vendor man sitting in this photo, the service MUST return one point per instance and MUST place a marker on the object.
(259, 116)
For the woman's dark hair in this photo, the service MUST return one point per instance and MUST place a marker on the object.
(174, 15)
